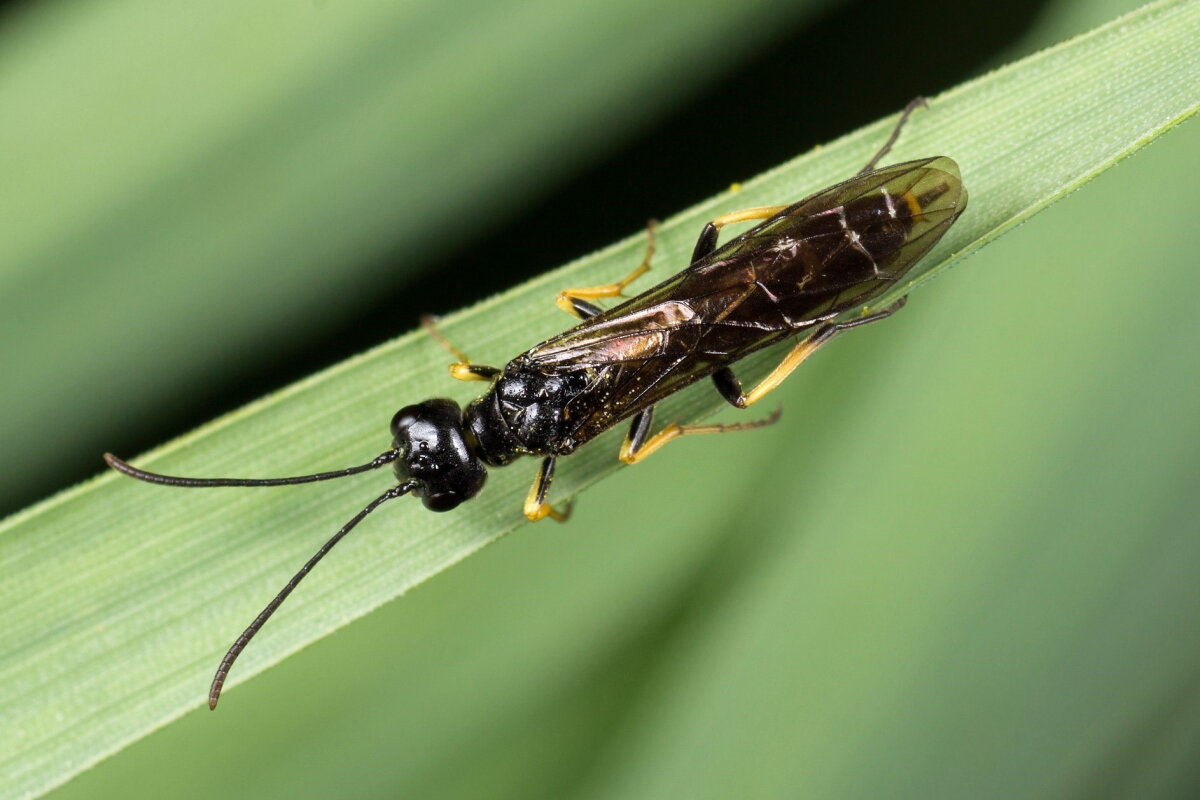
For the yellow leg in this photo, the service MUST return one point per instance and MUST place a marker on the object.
(566, 296)
(707, 242)
(631, 456)
(731, 390)
(536, 507)
(792, 360)
(429, 323)
(745, 215)
(462, 369)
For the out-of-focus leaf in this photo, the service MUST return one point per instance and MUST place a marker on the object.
(179, 181)
(126, 593)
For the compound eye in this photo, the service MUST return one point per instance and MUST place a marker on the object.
(423, 421)
(402, 421)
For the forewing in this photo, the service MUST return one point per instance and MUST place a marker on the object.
(646, 349)
(925, 197)
(936, 179)
(817, 258)
(934, 185)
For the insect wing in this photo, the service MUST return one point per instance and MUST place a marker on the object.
(850, 241)
(820, 257)
(827, 252)
(918, 199)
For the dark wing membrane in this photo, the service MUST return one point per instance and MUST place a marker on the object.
(851, 241)
(814, 260)
(654, 347)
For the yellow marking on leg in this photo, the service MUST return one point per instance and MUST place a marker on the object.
(746, 214)
(778, 375)
(563, 300)
(914, 205)
(673, 431)
(536, 510)
(463, 371)
(429, 323)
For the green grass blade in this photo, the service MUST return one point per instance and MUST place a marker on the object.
(118, 597)
(243, 169)
(975, 576)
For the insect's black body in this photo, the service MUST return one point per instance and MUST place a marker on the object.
(801, 273)
(816, 259)
(806, 265)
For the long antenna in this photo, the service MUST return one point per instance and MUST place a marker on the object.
(386, 457)
(214, 692)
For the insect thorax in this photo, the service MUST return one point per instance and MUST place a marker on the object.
(525, 412)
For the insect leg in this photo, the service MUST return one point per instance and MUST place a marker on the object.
(578, 306)
(637, 446)
(706, 243)
(575, 301)
(462, 369)
(731, 388)
(708, 234)
(639, 431)
(536, 506)
(878, 315)
(913, 105)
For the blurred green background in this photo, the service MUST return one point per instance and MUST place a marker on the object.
(976, 575)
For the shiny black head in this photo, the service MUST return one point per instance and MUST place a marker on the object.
(434, 452)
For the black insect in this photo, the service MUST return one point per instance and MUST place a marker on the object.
(798, 274)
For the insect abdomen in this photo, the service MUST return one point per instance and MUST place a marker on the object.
(846, 253)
